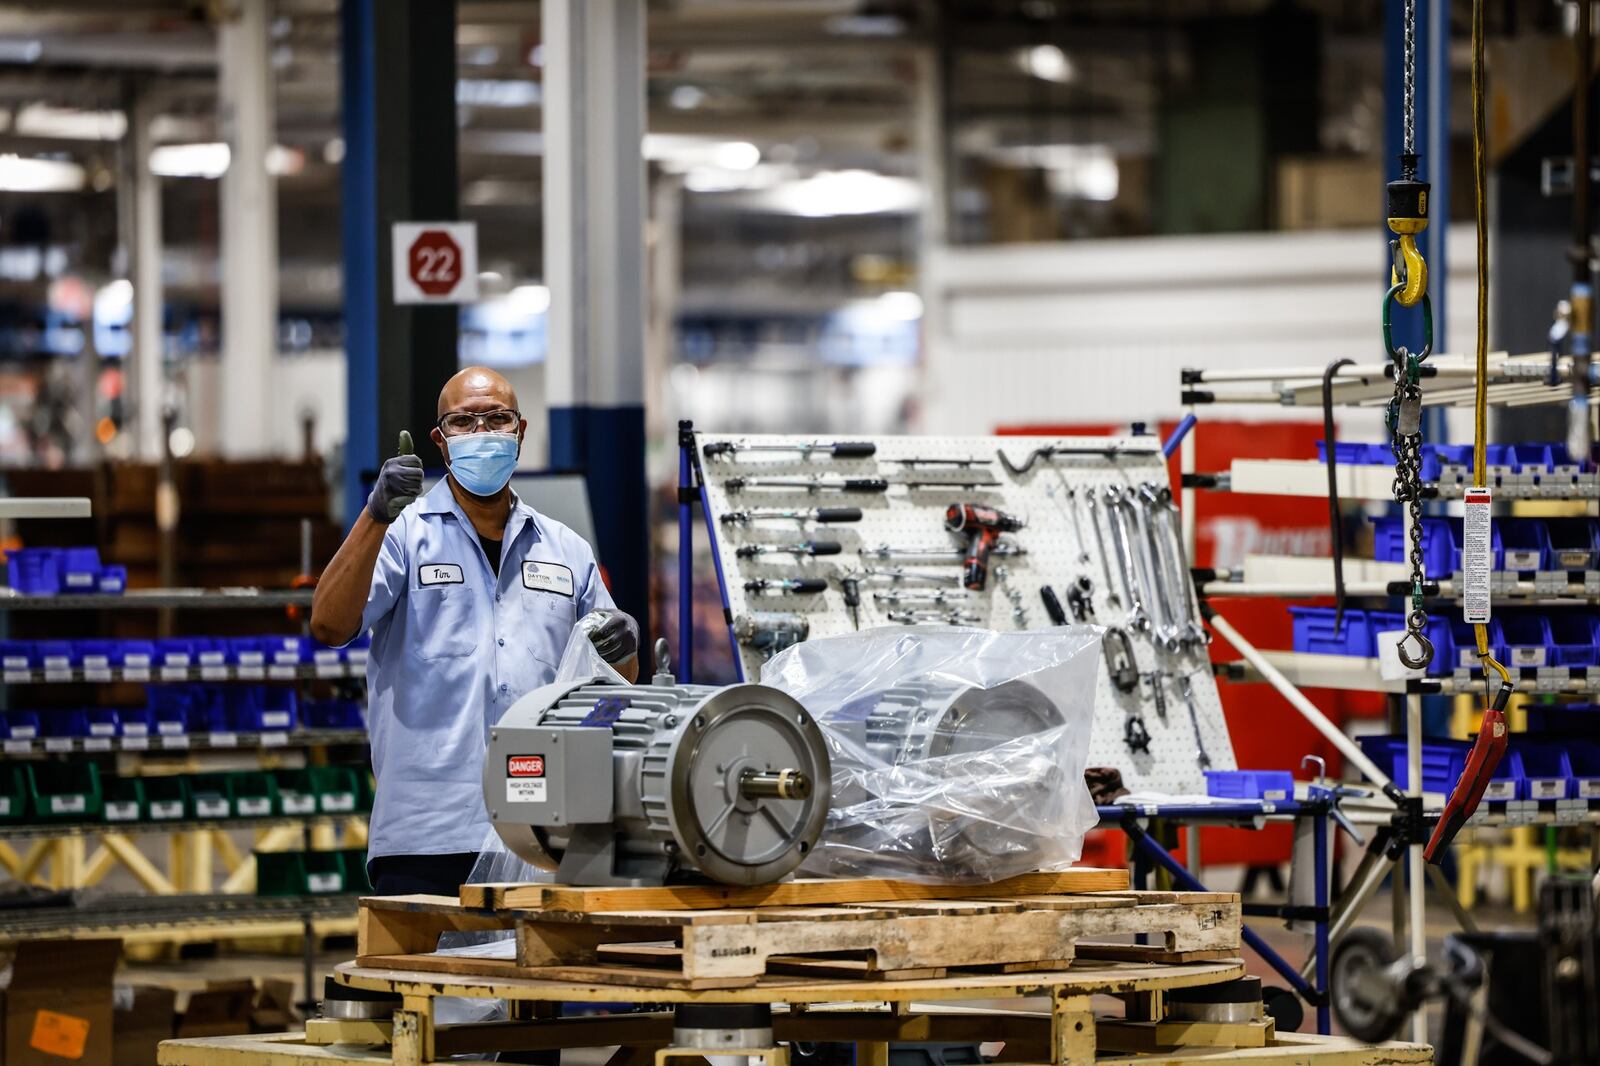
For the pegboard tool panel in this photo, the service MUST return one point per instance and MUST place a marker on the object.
(1064, 538)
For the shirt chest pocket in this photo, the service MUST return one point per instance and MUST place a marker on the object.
(548, 619)
(442, 622)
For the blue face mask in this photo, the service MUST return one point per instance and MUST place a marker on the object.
(482, 462)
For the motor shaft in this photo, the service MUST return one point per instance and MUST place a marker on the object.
(775, 784)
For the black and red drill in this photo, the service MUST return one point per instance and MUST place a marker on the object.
(982, 526)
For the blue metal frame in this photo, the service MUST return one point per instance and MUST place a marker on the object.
(358, 179)
(691, 481)
(1147, 852)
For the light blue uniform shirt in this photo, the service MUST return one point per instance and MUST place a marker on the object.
(452, 648)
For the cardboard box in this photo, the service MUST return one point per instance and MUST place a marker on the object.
(223, 1009)
(274, 1010)
(145, 1015)
(57, 1009)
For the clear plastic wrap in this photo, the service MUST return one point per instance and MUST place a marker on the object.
(958, 754)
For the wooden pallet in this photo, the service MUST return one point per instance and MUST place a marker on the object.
(1021, 925)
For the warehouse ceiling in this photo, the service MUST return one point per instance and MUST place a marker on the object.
(760, 108)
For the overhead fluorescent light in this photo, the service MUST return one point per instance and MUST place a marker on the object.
(498, 92)
(208, 160)
(842, 192)
(686, 97)
(530, 299)
(282, 160)
(25, 174)
(901, 306)
(21, 50)
(69, 123)
(680, 153)
(1046, 62)
(718, 179)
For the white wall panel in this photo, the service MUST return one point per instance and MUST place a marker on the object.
(1097, 331)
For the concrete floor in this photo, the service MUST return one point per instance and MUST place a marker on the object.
(194, 973)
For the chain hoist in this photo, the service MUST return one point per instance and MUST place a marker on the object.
(1408, 216)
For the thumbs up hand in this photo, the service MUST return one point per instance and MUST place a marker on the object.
(399, 483)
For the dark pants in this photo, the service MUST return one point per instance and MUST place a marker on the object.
(420, 875)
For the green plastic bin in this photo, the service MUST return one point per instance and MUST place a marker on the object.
(255, 794)
(299, 873)
(65, 791)
(355, 870)
(297, 792)
(13, 794)
(166, 799)
(211, 796)
(125, 800)
(336, 788)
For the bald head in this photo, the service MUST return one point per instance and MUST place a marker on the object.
(476, 389)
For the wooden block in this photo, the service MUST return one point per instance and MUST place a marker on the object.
(1143, 953)
(403, 925)
(1116, 1035)
(784, 893)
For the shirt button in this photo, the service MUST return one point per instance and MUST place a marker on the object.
(501, 642)
(504, 687)
(498, 597)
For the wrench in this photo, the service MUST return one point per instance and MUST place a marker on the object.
(1152, 582)
(1138, 618)
(1195, 632)
(1187, 688)
(1158, 691)
(1019, 614)
(1105, 559)
(1077, 528)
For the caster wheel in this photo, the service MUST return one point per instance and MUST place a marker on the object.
(1285, 1008)
(1365, 992)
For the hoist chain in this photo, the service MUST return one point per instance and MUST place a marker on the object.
(1409, 101)
(1405, 436)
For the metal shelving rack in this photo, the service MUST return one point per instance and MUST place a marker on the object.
(1515, 380)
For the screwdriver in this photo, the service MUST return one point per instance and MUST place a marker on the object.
(787, 586)
(805, 547)
(851, 585)
(1052, 606)
(888, 551)
(833, 450)
(823, 515)
(937, 462)
(808, 484)
(951, 483)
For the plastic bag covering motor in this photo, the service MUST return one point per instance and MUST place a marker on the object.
(957, 754)
(608, 783)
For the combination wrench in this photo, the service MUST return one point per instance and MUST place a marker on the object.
(1138, 618)
(1105, 558)
(1165, 627)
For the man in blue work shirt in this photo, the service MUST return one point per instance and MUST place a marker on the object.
(471, 596)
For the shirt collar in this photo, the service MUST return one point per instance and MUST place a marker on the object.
(440, 500)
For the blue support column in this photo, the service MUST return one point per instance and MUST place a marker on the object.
(607, 445)
(357, 189)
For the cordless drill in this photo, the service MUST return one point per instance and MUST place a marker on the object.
(983, 526)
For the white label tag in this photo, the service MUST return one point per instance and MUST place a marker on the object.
(250, 673)
(1500, 790)
(175, 658)
(1589, 788)
(97, 744)
(547, 577)
(1547, 787)
(81, 581)
(281, 673)
(255, 807)
(18, 747)
(525, 790)
(73, 804)
(166, 809)
(102, 729)
(224, 740)
(210, 808)
(174, 673)
(324, 882)
(1527, 656)
(136, 673)
(296, 803)
(1477, 556)
(213, 658)
(338, 802)
(14, 677)
(274, 719)
(213, 673)
(57, 743)
(252, 658)
(274, 740)
(121, 812)
(440, 574)
(179, 741)
(139, 743)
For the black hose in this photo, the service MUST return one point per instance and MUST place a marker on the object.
(1335, 518)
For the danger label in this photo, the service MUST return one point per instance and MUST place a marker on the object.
(63, 1035)
(525, 766)
(1477, 556)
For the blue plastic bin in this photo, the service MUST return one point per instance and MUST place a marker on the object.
(1565, 719)
(1583, 757)
(113, 580)
(1355, 453)
(333, 714)
(287, 651)
(1314, 632)
(1507, 782)
(53, 654)
(105, 722)
(1574, 543)
(169, 708)
(98, 654)
(208, 710)
(1435, 457)
(175, 653)
(1441, 544)
(1525, 543)
(34, 571)
(20, 725)
(1527, 639)
(248, 651)
(65, 722)
(1573, 639)
(1546, 774)
(135, 721)
(79, 569)
(17, 655)
(211, 651)
(1250, 784)
(138, 654)
(1531, 458)
(1441, 760)
(1466, 642)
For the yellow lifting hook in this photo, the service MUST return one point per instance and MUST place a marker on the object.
(1408, 216)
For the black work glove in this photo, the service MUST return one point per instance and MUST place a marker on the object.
(399, 483)
(615, 634)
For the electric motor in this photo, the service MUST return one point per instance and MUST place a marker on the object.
(642, 784)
